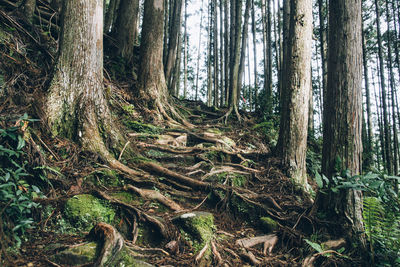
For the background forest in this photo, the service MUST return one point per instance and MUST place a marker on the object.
(199, 133)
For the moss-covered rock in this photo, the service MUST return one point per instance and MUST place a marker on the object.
(84, 211)
(197, 228)
(88, 253)
(268, 224)
(78, 255)
(106, 177)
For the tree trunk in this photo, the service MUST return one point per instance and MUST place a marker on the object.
(108, 20)
(253, 29)
(388, 151)
(125, 30)
(392, 90)
(152, 90)
(343, 118)
(222, 60)
(185, 56)
(368, 158)
(76, 103)
(323, 42)
(174, 32)
(199, 52)
(294, 120)
(209, 51)
(236, 20)
(245, 34)
(215, 51)
(227, 53)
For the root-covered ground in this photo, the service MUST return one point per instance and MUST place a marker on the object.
(208, 195)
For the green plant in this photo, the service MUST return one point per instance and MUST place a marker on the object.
(16, 194)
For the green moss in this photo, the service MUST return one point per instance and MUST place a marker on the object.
(127, 198)
(106, 177)
(142, 127)
(197, 228)
(129, 109)
(268, 224)
(217, 156)
(84, 211)
(125, 258)
(79, 255)
(157, 154)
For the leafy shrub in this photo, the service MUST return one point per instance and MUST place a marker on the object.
(16, 195)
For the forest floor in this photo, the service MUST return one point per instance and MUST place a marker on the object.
(209, 195)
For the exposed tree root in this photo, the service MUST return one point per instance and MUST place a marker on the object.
(269, 242)
(159, 225)
(155, 195)
(112, 240)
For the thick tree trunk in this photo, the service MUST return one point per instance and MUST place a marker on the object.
(343, 117)
(152, 89)
(126, 27)
(215, 52)
(174, 31)
(294, 121)
(76, 105)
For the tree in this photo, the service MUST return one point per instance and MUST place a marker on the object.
(292, 141)
(152, 89)
(342, 146)
(174, 32)
(125, 30)
(77, 106)
(29, 9)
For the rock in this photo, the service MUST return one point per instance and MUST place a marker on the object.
(268, 224)
(198, 227)
(84, 211)
(78, 255)
(87, 254)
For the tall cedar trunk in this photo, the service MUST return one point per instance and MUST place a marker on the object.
(388, 152)
(343, 117)
(285, 50)
(380, 128)
(209, 47)
(235, 57)
(57, 4)
(294, 122)
(167, 12)
(253, 30)
(29, 9)
(277, 49)
(125, 30)
(380, 113)
(174, 31)
(227, 52)
(245, 34)
(215, 51)
(323, 42)
(368, 158)
(185, 56)
(311, 110)
(109, 18)
(199, 52)
(221, 55)
(76, 104)
(392, 89)
(267, 52)
(176, 77)
(152, 86)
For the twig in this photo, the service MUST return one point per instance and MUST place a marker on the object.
(123, 150)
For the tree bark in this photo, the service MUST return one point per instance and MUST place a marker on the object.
(77, 107)
(110, 14)
(126, 27)
(199, 52)
(173, 35)
(245, 34)
(294, 116)
(388, 150)
(342, 145)
(253, 29)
